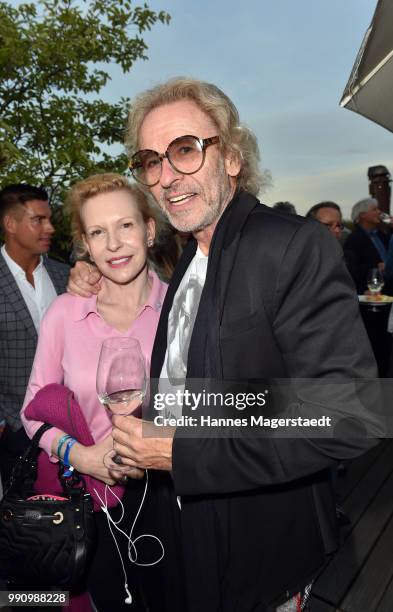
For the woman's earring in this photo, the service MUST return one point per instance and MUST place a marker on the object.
(150, 242)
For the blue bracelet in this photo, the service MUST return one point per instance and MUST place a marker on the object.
(61, 442)
(66, 458)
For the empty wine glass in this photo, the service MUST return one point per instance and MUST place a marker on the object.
(385, 218)
(375, 281)
(121, 381)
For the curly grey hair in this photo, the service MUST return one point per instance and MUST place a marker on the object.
(235, 138)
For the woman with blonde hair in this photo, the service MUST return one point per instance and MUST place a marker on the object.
(114, 223)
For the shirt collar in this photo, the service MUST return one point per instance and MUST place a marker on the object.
(155, 298)
(85, 306)
(15, 268)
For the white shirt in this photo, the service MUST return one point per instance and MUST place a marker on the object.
(37, 298)
(180, 326)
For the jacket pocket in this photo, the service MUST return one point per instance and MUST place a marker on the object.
(240, 325)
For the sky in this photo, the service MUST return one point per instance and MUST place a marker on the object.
(285, 64)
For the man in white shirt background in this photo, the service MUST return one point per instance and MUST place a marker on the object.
(29, 281)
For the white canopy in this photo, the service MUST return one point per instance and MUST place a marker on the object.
(369, 90)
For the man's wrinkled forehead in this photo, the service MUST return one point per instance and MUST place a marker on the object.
(170, 120)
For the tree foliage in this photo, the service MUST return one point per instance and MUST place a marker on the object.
(54, 61)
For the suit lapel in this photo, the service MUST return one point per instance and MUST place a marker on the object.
(15, 298)
(204, 356)
(239, 214)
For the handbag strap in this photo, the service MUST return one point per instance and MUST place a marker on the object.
(24, 472)
(39, 433)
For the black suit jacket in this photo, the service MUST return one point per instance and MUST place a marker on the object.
(18, 338)
(257, 515)
(361, 255)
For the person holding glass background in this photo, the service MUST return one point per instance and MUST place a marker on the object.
(115, 224)
(365, 252)
(366, 247)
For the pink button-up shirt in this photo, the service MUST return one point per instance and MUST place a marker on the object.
(69, 344)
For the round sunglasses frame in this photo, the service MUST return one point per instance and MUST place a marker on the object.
(203, 143)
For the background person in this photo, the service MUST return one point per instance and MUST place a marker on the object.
(115, 224)
(329, 214)
(29, 282)
(285, 207)
(366, 247)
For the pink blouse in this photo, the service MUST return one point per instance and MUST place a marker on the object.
(69, 343)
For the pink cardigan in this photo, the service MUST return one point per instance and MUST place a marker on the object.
(55, 404)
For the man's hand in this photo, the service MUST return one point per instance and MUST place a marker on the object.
(141, 444)
(83, 279)
(130, 472)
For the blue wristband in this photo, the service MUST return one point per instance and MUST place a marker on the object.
(66, 458)
(61, 442)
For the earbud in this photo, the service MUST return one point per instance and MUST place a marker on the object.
(132, 552)
(128, 599)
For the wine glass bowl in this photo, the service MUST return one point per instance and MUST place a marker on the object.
(121, 381)
(375, 281)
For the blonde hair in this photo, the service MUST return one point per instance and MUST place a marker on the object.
(235, 139)
(106, 183)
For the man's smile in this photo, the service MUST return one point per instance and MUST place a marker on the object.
(180, 199)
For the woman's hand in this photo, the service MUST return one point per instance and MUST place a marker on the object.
(90, 459)
(83, 279)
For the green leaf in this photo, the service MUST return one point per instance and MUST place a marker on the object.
(55, 57)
